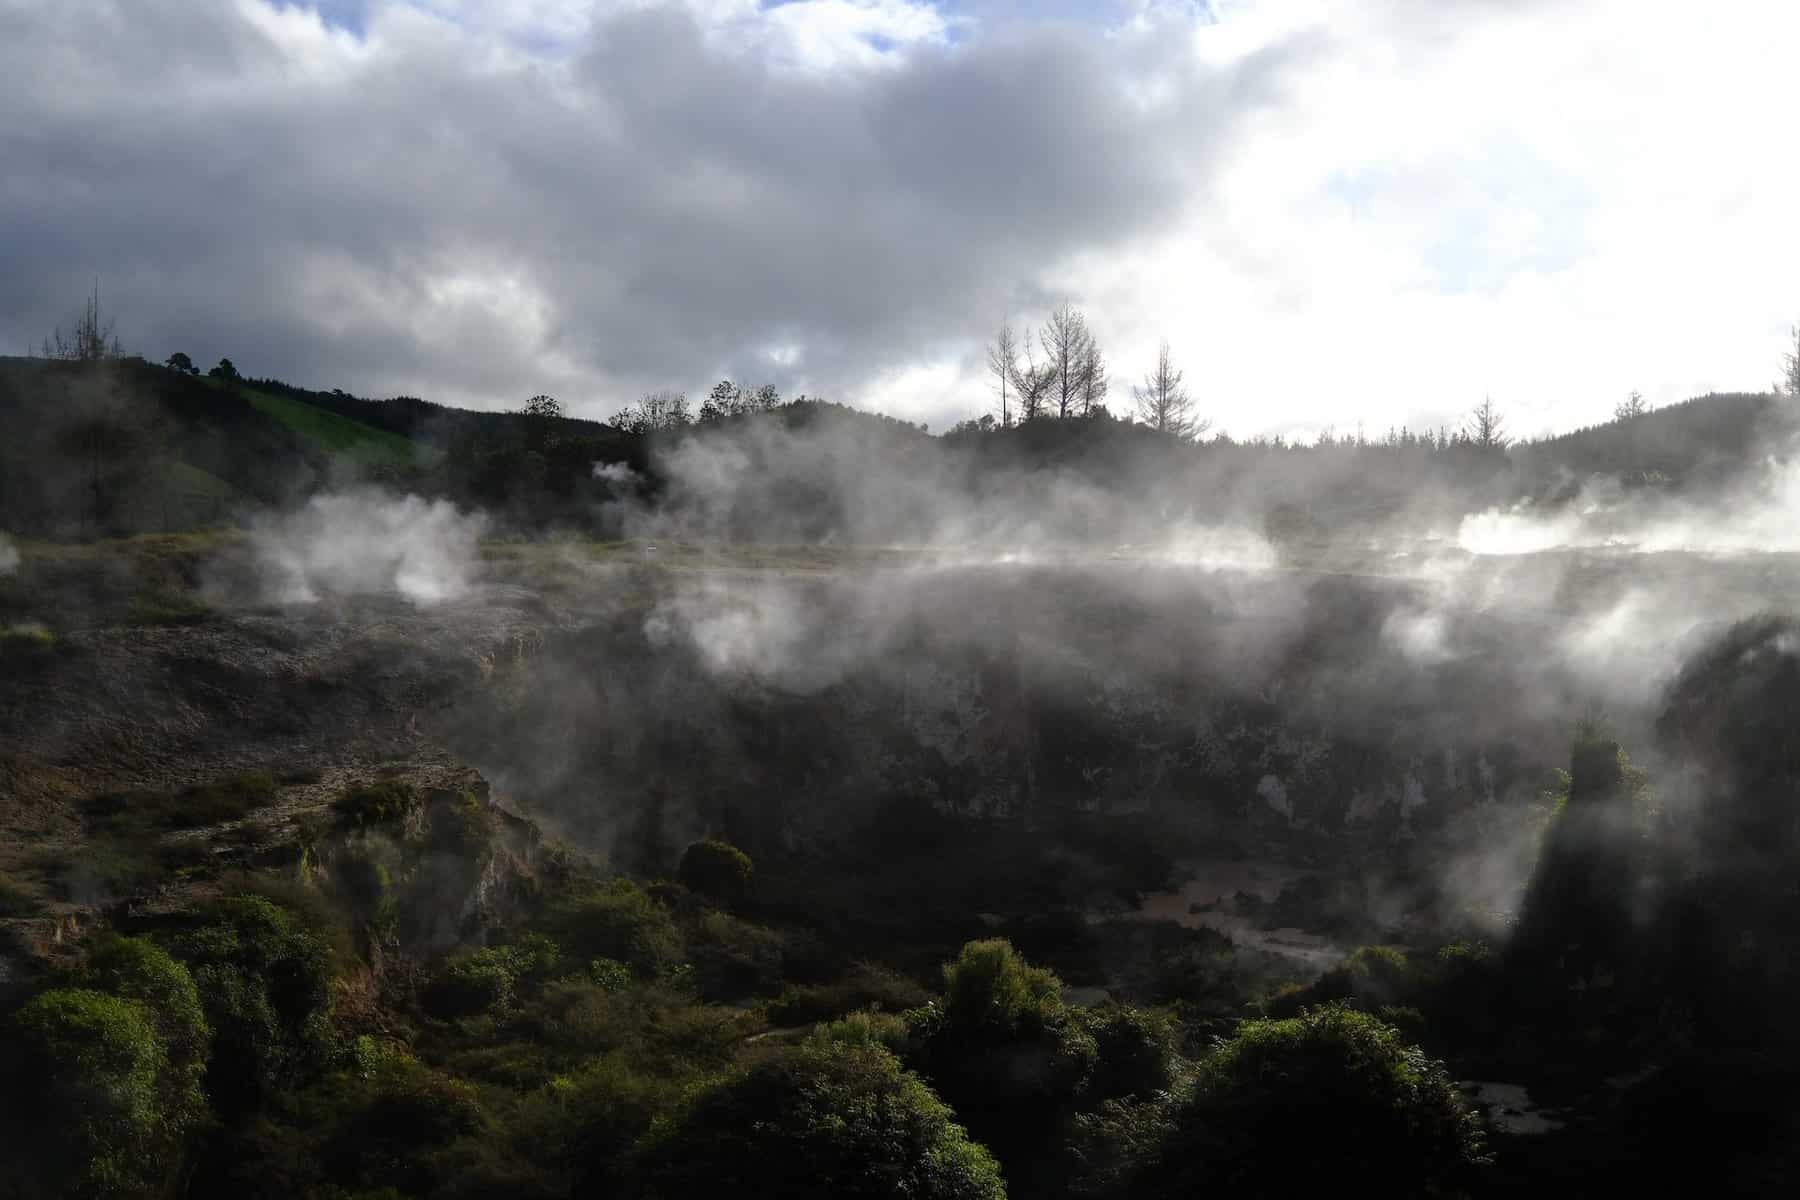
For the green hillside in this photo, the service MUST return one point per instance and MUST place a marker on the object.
(336, 435)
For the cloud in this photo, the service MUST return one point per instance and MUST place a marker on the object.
(9, 556)
(477, 202)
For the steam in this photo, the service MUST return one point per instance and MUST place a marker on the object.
(1379, 679)
(9, 556)
(1761, 514)
(369, 543)
(619, 474)
(847, 483)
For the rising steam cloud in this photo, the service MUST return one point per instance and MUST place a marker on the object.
(1759, 515)
(9, 556)
(369, 543)
(846, 483)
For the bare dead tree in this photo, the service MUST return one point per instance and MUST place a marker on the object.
(1163, 402)
(1032, 383)
(1485, 427)
(1003, 365)
(1094, 381)
(657, 411)
(1630, 407)
(1790, 363)
(93, 340)
(1065, 340)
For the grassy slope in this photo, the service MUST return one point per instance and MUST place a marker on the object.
(362, 444)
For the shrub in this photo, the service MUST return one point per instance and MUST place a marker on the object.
(93, 1077)
(465, 828)
(864, 986)
(717, 870)
(609, 1106)
(609, 974)
(991, 987)
(733, 959)
(489, 978)
(211, 803)
(886, 1030)
(1295, 1107)
(106, 868)
(618, 921)
(221, 800)
(266, 985)
(140, 970)
(820, 1120)
(474, 984)
(1135, 1052)
(376, 803)
(395, 1136)
(25, 643)
(1003, 1050)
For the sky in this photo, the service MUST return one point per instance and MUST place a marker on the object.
(1340, 215)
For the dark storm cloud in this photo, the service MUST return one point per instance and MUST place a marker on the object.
(427, 212)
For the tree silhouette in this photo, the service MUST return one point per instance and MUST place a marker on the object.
(1163, 402)
(1093, 378)
(1003, 365)
(1632, 406)
(656, 411)
(1031, 383)
(1486, 428)
(1068, 348)
(181, 363)
(1790, 363)
(543, 407)
(93, 340)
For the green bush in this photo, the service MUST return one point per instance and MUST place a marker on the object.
(221, 800)
(213, 803)
(488, 979)
(465, 828)
(887, 1030)
(1004, 1050)
(826, 1120)
(376, 803)
(608, 1106)
(108, 868)
(1296, 1107)
(265, 982)
(609, 974)
(620, 921)
(26, 643)
(394, 1138)
(717, 870)
(733, 959)
(991, 987)
(474, 984)
(864, 986)
(1135, 1052)
(92, 1079)
(138, 969)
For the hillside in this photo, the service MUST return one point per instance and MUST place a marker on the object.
(125, 447)
(364, 445)
(1693, 443)
(128, 447)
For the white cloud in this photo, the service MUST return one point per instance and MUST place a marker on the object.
(1337, 213)
(1549, 203)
